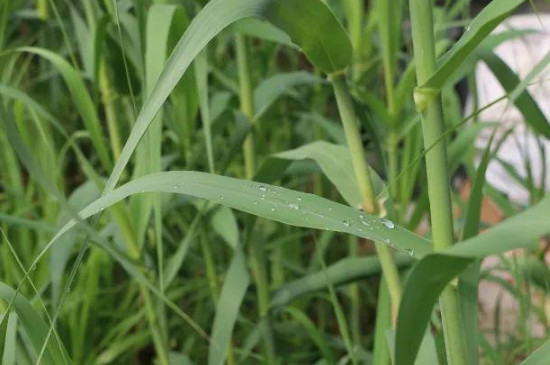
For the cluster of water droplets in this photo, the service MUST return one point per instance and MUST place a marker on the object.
(365, 222)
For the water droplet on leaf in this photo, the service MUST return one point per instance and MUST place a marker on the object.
(388, 224)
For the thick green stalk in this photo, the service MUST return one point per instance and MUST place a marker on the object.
(108, 96)
(355, 297)
(246, 99)
(210, 265)
(389, 31)
(429, 103)
(370, 205)
(259, 263)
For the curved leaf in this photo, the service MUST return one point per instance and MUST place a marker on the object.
(267, 92)
(335, 162)
(263, 200)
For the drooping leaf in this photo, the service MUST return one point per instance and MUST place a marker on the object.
(263, 200)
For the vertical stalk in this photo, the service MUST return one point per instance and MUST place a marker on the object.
(389, 16)
(259, 263)
(246, 99)
(120, 214)
(355, 297)
(429, 103)
(349, 121)
(211, 274)
(107, 96)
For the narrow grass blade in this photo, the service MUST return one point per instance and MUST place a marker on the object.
(3, 333)
(263, 30)
(483, 24)
(225, 224)
(35, 327)
(469, 279)
(269, 90)
(227, 309)
(381, 351)
(540, 356)
(81, 98)
(344, 271)
(528, 107)
(341, 319)
(315, 335)
(10, 351)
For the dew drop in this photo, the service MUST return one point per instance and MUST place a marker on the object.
(299, 199)
(330, 209)
(175, 187)
(293, 206)
(263, 196)
(361, 216)
(255, 202)
(262, 188)
(346, 223)
(272, 209)
(365, 223)
(410, 251)
(387, 240)
(388, 224)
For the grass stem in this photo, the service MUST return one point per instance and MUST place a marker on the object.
(259, 262)
(362, 174)
(436, 169)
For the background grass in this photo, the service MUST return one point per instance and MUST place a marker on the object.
(197, 151)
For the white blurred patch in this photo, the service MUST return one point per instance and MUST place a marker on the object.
(522, 148)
